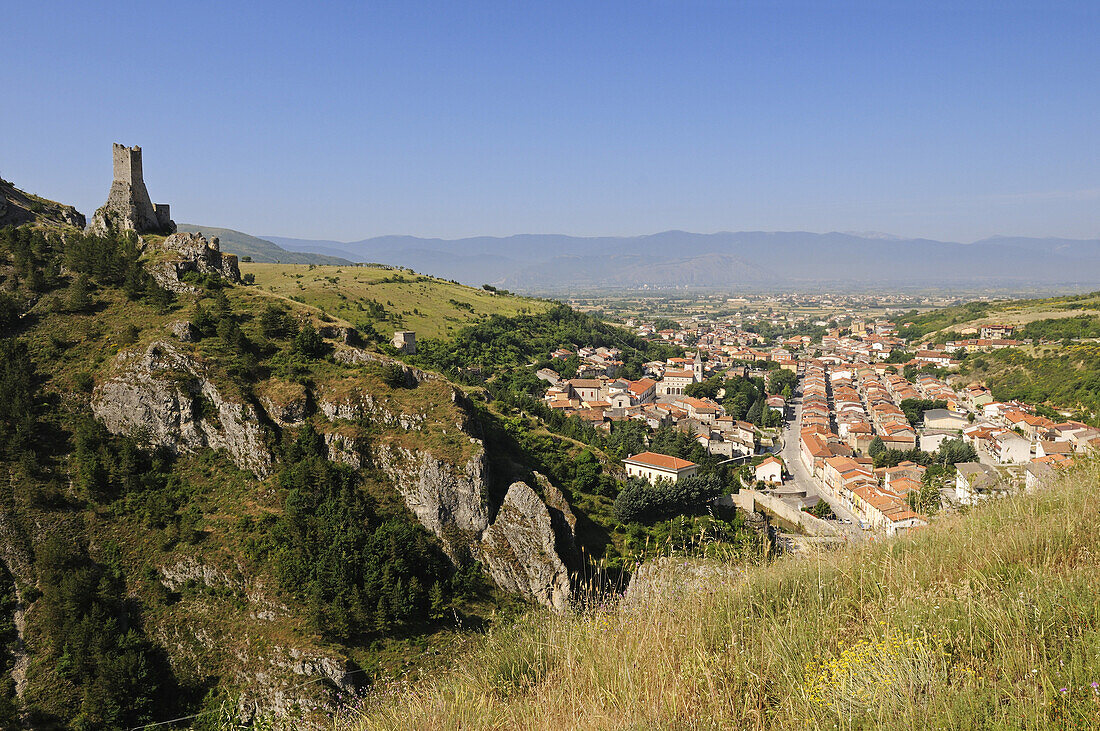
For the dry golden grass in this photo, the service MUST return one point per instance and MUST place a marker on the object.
(433, 308)
(986, 620)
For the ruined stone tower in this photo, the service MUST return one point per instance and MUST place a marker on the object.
(128, 207)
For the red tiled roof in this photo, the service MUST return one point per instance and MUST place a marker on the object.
(661, 461)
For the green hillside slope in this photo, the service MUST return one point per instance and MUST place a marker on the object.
(387, 298)
(159, 581)
(985, 620)
(259, 250)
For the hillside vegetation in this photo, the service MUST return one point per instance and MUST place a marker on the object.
(1057, 377)
(386, 299)
(215, 494)
(1032, 313)
(160, 581)
(983, 620)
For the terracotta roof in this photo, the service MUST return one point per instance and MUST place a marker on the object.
(661, 461)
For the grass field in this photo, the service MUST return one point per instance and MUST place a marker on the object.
(985, 620)
(390, 299)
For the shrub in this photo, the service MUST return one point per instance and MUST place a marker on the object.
(308, 342)
(394, 376)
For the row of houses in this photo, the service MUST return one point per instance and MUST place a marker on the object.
(859, 402)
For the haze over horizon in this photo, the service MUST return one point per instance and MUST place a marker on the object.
(345, 122)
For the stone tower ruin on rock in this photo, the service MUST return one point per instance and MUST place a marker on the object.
(128, 207)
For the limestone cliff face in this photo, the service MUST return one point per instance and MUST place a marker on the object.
(286, 402)
(448, 501)
(357, 403)
(358, 356)
(191, 252)
(520, 549)
(164, 397)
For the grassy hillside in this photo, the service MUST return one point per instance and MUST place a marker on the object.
(260, 250)
(1055, 376)
(388, 299)
(984, 620)
(1011, 312)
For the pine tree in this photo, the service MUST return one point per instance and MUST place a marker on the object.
(80, 298)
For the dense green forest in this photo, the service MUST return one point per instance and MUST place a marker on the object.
(503, 343)
(359, 571)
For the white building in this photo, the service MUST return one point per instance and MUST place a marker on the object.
(674, 383)
(770, 471)
(1011, 448)
(652, 466)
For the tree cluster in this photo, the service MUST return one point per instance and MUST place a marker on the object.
(500, 343)
(359, 572)
(642, 502)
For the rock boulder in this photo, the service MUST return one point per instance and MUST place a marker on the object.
(520, 549)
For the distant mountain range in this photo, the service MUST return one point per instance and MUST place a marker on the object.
(258, 249)
(549, 263)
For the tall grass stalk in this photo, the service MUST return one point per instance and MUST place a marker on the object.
(985, 620)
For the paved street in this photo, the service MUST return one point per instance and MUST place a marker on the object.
(801, 477)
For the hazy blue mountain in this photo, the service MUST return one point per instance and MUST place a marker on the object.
(261, 250)
(746, 259)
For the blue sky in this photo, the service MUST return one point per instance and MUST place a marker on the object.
(951, 120)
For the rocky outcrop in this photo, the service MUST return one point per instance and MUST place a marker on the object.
(524, 546)
(358, 356)
(520, 549)
(18, 208)
(286, 402)
(529, 545)
(449, 502)
(163, 396)
(563, 521)
(191, 252)
(352, 404)
(345, 449)
(183, 330)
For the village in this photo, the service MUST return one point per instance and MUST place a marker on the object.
(831, 406)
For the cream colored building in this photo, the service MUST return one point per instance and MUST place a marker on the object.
(652, 466)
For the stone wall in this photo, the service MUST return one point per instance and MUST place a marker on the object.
(750, 500)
